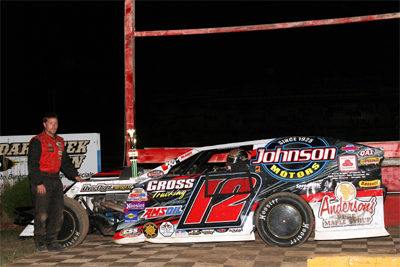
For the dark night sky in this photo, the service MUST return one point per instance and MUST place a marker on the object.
(68, 57)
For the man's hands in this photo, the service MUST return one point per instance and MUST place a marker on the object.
(41, 189)
(79, 179)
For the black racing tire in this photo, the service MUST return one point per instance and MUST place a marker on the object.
(284, 220)
(75, 226)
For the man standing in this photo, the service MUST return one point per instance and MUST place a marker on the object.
(46, 157)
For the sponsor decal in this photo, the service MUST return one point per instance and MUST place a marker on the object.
(97, 188)
(181, 233)
(131, 216)
(175, 161)
(122, 187)
(346, 209)
(185, 156)
(308, 186)
(131, 232)
(366, 153)
(48, 144)
(348, 163)
(194, 232)
(161, 212)
(295, 159)
(59, 144)
(176, 193)
(137, 190)
(283, 141)
(236, 230)
(258, 169)
(135, 206)
(208, 231)
(166, 229)
(350, 148)
(162, 185)
(50, 149)
(137, 195)
(150, 230)
(223, 230)
(104, 187)
(373, 183)
(155, 174)
(370, 161)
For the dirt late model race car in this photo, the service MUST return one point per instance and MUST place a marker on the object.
(282, 188)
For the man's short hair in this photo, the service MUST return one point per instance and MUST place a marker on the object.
(49, 116)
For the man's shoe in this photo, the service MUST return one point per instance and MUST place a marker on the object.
(41, 248)
(55, 247)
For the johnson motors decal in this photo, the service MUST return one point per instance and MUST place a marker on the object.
(346, 209)
(295, 159)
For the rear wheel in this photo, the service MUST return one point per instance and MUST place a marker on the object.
(284, 220)
(76, 224)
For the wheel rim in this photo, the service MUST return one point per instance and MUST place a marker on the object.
(68, 227)
(284, 221)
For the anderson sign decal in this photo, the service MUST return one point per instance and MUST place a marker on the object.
(83, 149)
(295, 159)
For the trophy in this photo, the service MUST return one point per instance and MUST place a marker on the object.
(133, 153)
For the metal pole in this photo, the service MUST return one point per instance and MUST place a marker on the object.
(274, 26)
(130, 100)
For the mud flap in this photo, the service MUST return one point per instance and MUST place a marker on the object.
(347, 217)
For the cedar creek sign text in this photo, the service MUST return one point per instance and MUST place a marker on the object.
(78, 148)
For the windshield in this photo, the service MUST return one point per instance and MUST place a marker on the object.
(204, 162)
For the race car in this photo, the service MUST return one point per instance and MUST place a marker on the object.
(281, 188)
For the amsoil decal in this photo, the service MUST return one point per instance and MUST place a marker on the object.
(295, 159)
(346, 209)
(157, 212)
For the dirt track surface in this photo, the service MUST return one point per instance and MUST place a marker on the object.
(98, 250)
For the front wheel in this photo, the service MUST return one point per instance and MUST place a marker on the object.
(284, 220)
(76, 224)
